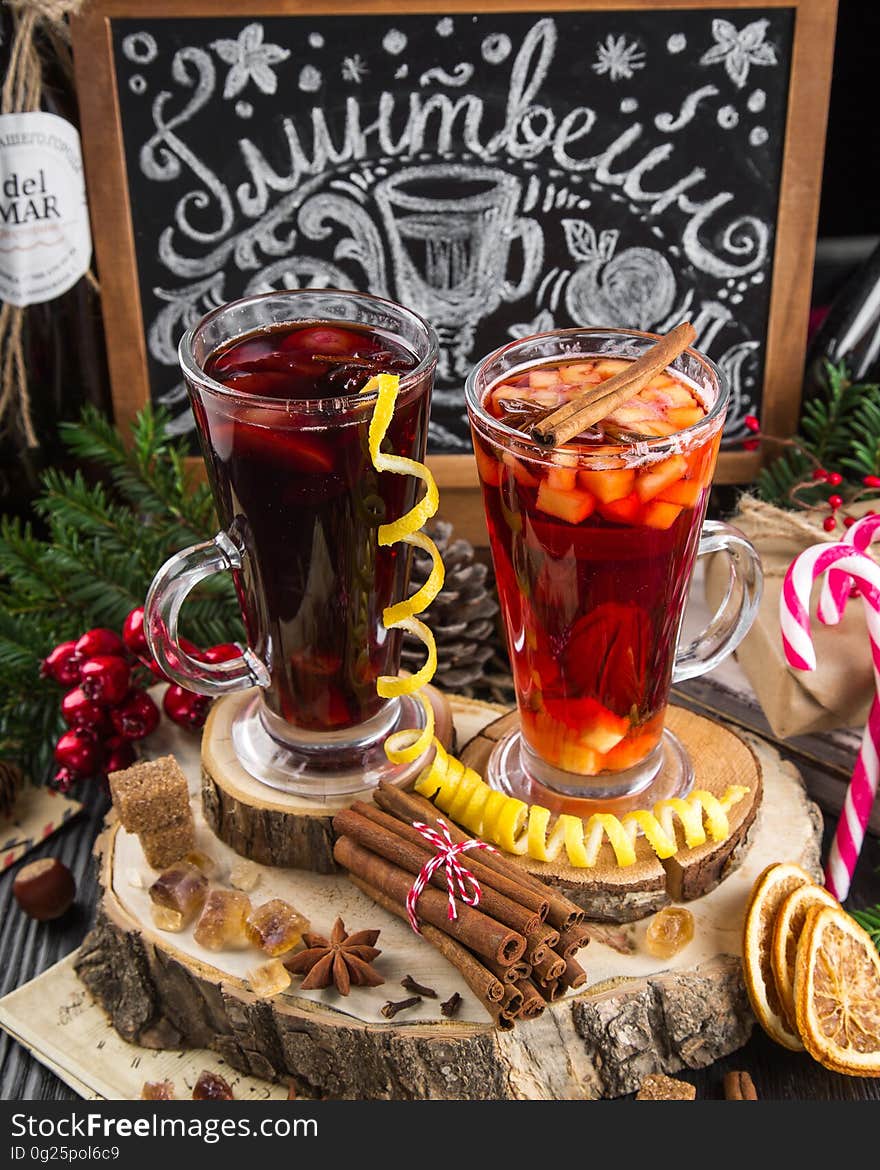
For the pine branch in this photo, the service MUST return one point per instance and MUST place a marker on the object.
(870, 920)
(150, 474)
(839, 432)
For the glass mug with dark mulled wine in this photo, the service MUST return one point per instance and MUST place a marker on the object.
(275, 383)
(594, 545)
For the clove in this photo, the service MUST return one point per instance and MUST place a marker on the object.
(390, 1009)
(409, 984)
(452, 1005)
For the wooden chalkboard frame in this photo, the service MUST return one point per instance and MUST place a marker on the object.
(809, 86)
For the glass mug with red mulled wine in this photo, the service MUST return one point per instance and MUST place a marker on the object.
(275, 384)
(594, 544)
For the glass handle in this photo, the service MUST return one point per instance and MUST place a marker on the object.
(170, 588)
(737, 611)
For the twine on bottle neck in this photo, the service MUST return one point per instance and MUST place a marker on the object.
(22, 93)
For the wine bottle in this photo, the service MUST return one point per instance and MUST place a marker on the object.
(45, 254)
(851, 331)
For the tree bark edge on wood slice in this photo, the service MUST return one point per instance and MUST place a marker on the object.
(262, 823)
(614, 894)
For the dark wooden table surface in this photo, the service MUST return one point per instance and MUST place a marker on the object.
(27, 948)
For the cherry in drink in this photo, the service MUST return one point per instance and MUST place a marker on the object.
(299, 489)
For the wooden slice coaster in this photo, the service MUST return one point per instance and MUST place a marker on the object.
(720, 758)
(265, 824)
(636, 1015)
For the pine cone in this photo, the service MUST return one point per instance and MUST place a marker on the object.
(471, 656)
(11, 781)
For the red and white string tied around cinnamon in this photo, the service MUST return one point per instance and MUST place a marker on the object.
(457, 876)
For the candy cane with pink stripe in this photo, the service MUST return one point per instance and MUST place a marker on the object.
(794, 613)
(836, 586)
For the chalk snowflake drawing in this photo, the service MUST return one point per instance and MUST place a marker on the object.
(354, 69)
(618, 58)
(250, 60)
(739, 49)
(541, 324)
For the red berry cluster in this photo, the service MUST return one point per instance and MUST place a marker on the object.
(836, 501)
(106, 707)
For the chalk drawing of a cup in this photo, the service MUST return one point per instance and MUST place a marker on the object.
(450, 228)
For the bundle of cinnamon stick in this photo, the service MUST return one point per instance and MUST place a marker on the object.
(516, 951)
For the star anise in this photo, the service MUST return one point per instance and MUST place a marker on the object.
(343, 960)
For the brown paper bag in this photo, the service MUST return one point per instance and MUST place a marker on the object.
(839, 692)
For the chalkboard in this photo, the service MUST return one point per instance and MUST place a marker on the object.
(502, 173)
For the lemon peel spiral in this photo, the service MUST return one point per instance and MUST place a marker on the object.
(458, 790)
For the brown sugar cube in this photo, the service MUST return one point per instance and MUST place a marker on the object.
(657, 1087)
(150, 795)
(165, 846)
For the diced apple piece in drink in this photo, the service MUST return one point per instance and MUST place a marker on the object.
(562, 479)
(628, 414)
(685, 416)
(630, 751)
(573, 757)
(684, 491)
(608, 367)
(573, 505)
(608, 486)
(656, 429)
(622, 511)
(519, 470)
(488, 466)
(652, 482)
(580, 372)
(659, 514)
(542, 379)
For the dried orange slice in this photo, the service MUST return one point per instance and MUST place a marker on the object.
(837, 993)
(769, 892)
(789, 924)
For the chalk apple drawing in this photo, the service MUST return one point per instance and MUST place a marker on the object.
(634, 288)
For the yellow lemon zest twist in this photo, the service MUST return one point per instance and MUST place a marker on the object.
(459, 791)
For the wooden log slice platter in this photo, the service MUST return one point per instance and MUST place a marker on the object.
(637, 1014)
(607, 892)
(265, 824)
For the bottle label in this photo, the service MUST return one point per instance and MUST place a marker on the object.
(45, 241)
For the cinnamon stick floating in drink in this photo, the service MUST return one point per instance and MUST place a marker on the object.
(409, 806)
(596, 403)
(473, 929)
(413, 858)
